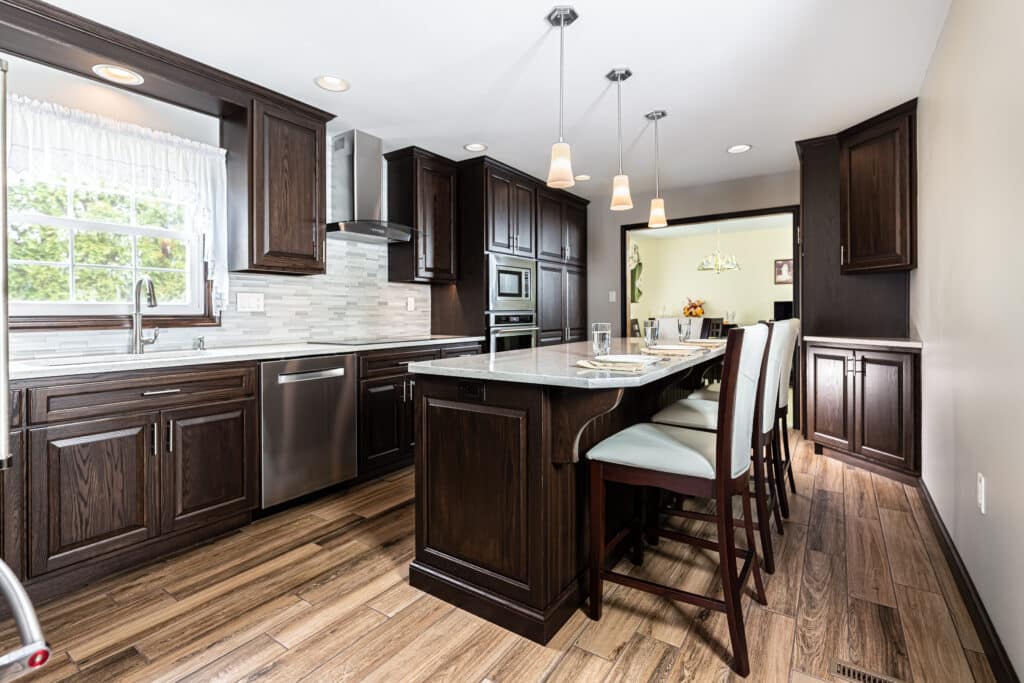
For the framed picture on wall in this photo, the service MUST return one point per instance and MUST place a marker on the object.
(783, 271)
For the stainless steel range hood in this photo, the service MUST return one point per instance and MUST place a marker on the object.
(357, 197)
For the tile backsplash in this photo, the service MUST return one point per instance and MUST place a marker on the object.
(353, 299)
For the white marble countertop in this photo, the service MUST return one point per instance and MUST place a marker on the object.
(556, 366)
(62, 366)
(894, 342)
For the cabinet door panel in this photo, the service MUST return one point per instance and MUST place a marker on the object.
(884, 414)
(550, 303)
(435, 238)
(288, 197)
(575, 234)
(92, 489)
(830, 398)
(876, 189)
(550, 230)
(12, 512)
(576, 303)
(383, 414)
(209, 464)
(524, 217)
(499, 212)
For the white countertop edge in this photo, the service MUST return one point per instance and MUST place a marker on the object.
(26, 369)
(894, 342)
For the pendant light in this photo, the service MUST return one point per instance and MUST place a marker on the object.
(657, 219)
(621, 201)
(560, 172)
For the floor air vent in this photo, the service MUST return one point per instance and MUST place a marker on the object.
(855, 673)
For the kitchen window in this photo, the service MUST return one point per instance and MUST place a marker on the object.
(94, 204)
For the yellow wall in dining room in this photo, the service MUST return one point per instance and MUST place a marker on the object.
(670, 274)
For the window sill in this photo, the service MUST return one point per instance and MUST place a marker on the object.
(107, 322)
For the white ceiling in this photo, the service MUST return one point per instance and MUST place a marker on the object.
(772, 221)
(441, 73)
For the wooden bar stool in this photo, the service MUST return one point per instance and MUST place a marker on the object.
(702, 414)
(692, 463)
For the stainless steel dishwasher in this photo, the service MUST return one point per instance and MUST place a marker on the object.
(308, 425)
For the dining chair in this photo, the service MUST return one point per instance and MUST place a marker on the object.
(711, 328)
(690, 463)
(769, 487)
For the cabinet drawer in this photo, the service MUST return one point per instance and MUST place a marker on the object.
(384, 363)
(461, 350)
(92, 398)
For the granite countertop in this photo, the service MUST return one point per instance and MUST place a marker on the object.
(151, 360)
(556, 366)
(893, 342)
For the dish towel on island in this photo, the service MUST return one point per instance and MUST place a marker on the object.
(631, 368)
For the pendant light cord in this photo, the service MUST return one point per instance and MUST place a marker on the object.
(561, 76)
(618, 82)
(657, 181)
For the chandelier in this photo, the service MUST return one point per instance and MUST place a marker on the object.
(716, 262)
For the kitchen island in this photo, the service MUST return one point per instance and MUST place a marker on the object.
(500, 491)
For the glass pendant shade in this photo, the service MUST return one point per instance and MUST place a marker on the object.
(657, 219)
(621, 200)
(560, 172)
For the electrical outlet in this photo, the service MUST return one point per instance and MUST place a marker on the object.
(611, 296)
(249, 302)
(981, 493)
(410, 303)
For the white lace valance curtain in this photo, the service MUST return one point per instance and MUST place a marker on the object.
(51, 143)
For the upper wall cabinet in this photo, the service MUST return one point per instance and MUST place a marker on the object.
(877, 172)
(421, 194)
(286, 224)
(562, 228)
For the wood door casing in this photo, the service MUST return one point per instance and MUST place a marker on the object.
(884, 412)
(209, 463)
(382, 417)
(92, 489)
(550, 303)
(830, 396)
(877, 215)
(288, 195)
(436, 258)
(499, 188)
(550, 235)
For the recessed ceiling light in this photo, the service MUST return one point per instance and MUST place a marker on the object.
(739, 149)
(332, 83)
(582, 177)
(475, 147)
(118, 74)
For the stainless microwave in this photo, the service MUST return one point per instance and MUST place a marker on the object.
(512, 283)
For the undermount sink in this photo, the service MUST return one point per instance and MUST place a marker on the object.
(112, 358)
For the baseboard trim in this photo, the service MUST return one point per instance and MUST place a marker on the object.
(999, 660)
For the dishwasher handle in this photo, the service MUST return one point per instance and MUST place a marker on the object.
(310, 376)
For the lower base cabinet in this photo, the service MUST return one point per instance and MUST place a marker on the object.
(863, 401)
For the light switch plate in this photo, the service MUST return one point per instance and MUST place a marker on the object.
(410, 303)
(250, 302)
(611, 296)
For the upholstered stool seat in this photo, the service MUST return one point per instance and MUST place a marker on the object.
(692, 413)
(709, 393)
(660, 448)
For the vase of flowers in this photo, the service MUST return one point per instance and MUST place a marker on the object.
(694, 308)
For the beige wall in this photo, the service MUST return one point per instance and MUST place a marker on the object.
(670, 274)
(966, 295)
(604, 227)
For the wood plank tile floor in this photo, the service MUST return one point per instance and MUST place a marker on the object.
(319, 593)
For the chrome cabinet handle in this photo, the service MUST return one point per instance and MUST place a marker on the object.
(310, 376)
(842, 254)
(155, 438)
(403, 391)
(161, 392)
(170, 436)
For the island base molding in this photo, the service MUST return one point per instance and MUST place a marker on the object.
(501, 492)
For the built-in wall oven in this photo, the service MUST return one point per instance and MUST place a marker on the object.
(511, 283)
(512, 331)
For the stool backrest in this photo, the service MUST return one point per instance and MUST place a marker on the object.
(711, 328)
(738, 404)
(793, 334)
(777, 349)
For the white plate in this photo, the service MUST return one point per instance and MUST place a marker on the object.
(627, 358)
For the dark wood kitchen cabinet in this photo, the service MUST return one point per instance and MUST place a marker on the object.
(863, 401)
(12, 512)
(878, 195)
(281, 226)
(561, 303)
(422, 194)
(382, 422)
(92, 489)
(511, 212)
(208, 463)
(562, 229)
